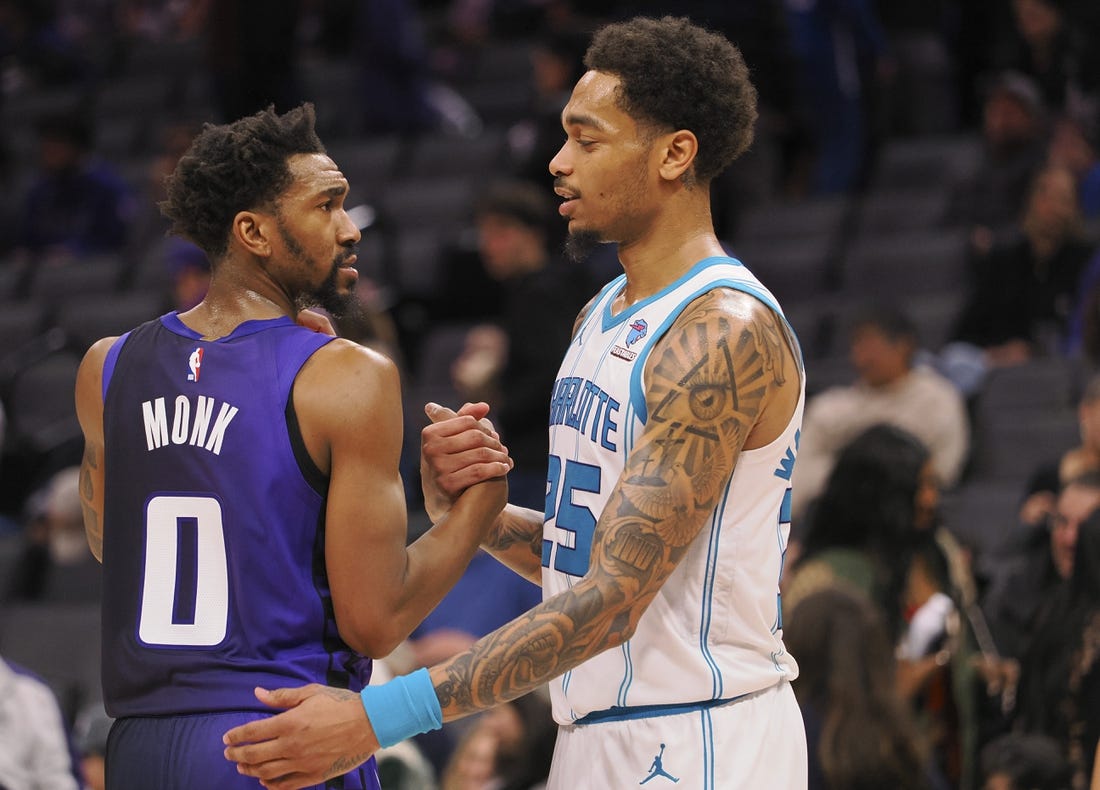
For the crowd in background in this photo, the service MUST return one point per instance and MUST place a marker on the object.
(923, 196)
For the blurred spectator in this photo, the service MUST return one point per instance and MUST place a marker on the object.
(1059, 693)
(1024, 762)
(890, 388)
(90, 738)
(36, 751)
(1025, 288)
(1049, 477)
(513, 364)
(840, 51)
(506, 748)
(860, 733)
(557, 64)
(875, 531)
(1019, 583)
(57, 563)
(1075, 145)
(947, 665)
(76, 206)
(863, 528)
(1045, 46)
(921, 96)
(1013, 149)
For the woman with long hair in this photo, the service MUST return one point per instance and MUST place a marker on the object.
(860, 733)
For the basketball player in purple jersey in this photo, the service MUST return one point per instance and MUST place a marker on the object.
(240, 476)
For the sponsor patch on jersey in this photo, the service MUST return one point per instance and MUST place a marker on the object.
(194, 362)
(624, 353)
(638, 330)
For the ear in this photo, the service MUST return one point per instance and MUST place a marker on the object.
(250, 230)
(678, 154)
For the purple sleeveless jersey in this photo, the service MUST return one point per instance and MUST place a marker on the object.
(214, 568)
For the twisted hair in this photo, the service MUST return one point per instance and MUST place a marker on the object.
(676, 75)
(234, 167)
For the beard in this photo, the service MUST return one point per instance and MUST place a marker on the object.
(327, 295)
(580, 244)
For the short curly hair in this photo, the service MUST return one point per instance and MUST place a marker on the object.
(235, 167)
(677, 75)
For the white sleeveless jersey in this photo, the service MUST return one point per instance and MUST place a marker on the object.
(714, 631)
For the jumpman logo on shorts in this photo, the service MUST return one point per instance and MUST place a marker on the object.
(657, 769)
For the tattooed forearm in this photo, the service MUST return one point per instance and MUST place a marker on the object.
(512, 529)
(344, 764)
(92, 525)
(551, 639)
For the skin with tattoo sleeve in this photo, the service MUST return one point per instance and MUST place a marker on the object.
(673, 425)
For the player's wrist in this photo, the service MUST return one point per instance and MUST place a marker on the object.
(403, 707)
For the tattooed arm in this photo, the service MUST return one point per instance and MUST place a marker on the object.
(722, 379)
(89, 411)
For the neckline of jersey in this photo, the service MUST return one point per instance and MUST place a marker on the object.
(172, 323)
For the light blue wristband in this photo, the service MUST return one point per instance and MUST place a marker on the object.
(403, 707)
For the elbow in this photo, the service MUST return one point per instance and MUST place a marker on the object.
(374, 646)
(617, 638)
(622, 621)
(370, 639)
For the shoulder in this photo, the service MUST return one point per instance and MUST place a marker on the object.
(740, 329)
(343, 363)
(98, 350)
(348, 396)
(91, 365)
(727, 307)
(344, 381)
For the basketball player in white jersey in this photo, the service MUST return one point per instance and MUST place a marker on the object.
(673, 434)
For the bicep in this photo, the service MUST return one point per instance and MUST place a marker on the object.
(707, 385)
(350, 407)
(365, 532)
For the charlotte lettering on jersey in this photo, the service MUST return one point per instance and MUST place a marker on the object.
(191, 424)
(580, 404)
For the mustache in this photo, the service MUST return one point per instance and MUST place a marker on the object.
(561, 185)
(342, 257)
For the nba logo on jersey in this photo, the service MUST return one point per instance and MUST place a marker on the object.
(637, 331)
(195, 363)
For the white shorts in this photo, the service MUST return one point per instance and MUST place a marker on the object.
(757, 742)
